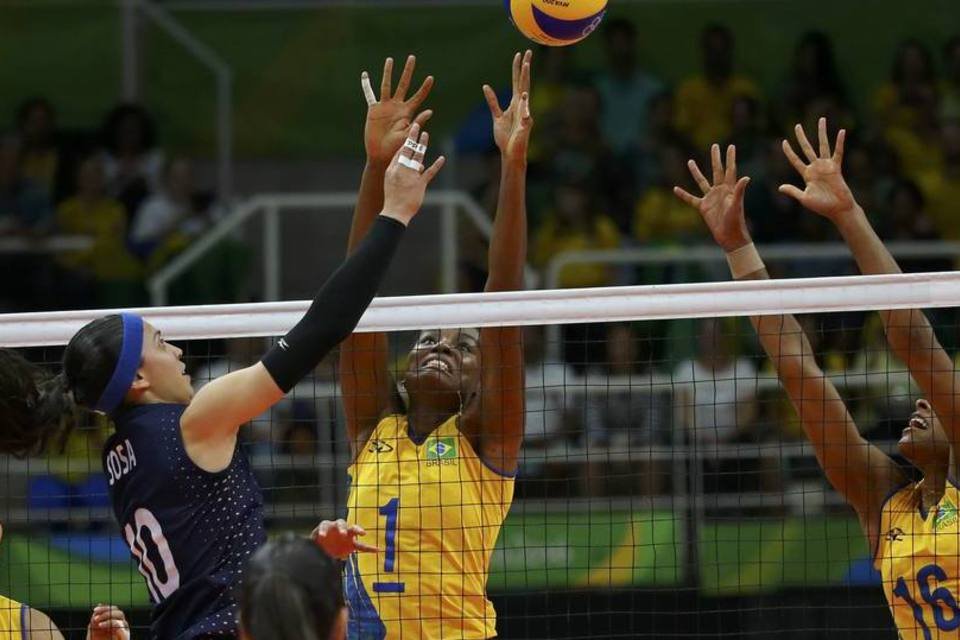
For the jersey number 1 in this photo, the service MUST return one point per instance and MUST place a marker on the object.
(389, 511)
(159, 589)
(939, 599)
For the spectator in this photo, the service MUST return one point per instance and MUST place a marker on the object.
(166, 220)
(625, 90)
(41, 161)
(575, 224)
(107, 265)
(705, 102)
(134, 165)
(813, 83)
(941, 189)
(546, 383)
(661, 132)
(950, 85)
(24, 207)
(901, 103)
(910, 221)
(553, 69)
(749, 134)
(716, 390)
(574, 151)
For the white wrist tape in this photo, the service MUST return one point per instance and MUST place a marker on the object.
(414, 146)
(744, 261)
(410, 162)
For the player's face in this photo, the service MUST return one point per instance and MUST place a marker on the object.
(163, 369)
(443, 363)
(923, 441)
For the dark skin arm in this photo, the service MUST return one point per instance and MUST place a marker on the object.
(364, 372)
(858, 470)
(494, 422)
(909, 333)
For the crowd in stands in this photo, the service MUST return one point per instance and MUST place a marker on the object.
(114, 186)
(611, 144)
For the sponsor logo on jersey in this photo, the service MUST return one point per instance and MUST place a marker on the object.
(894, 535)
(442, 451)
(379, 446)
(946, 515)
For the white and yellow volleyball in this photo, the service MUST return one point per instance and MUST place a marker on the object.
(556, 23)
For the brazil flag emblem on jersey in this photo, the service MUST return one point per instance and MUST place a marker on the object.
(946, 515)
(442, 451)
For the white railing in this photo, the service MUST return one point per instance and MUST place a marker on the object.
(44, 245)
(272, 205)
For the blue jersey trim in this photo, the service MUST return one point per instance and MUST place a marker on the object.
(363, 620)
(389, 587)
(24, 615)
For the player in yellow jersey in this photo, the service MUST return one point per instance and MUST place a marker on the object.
(912, 527)
(20, 622)
(433, 473)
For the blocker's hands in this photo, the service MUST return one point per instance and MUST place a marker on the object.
(512, 126)
(826, 192)
(406, 180)
(721, 206)
(390, 116)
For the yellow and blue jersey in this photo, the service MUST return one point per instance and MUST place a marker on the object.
(917, 556)
(434, 509)
(13, 619)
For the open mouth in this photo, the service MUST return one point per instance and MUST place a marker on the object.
(436, 364)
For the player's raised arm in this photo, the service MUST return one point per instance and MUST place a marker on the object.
(226, 403)
(496, 419)
(908, 331)
(365, 378)
(861, 472)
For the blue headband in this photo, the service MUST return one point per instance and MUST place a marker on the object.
(127, 364)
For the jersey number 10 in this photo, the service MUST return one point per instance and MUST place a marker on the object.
(160, 589)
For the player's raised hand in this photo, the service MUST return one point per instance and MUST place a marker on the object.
(108, 623)
(406, 179)
(826, 192)
(721, 205)
(339, 539)
(511, 126)
(390, 116)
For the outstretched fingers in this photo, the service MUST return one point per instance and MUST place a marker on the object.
(417, 98)
(515, 74)
(423, 116)
(525, 71)
(791, 191)
(805, 145)
(368, 93)
(730, 175)
(434, 169)
(793, 158)
(492, 101)
(687, 197)
(838, 149)
(717, 164)
(405, 77)
(824, 139)
(698, 176)
(387, 80)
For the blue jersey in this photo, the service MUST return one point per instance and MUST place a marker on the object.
(189, 531)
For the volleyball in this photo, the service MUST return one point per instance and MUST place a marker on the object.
(556, 23)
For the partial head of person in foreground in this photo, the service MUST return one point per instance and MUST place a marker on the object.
(292, 591)
(111, 362)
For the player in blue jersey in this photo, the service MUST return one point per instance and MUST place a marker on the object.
(185, 498)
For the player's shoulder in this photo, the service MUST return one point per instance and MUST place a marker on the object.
(39, 626)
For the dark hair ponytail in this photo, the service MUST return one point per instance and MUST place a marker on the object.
(291, 591)
(38, 409)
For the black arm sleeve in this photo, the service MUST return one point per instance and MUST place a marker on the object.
(337, 308)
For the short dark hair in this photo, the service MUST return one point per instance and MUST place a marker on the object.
(619, 27)
(121, 112)
(291, 591)
(716, 29)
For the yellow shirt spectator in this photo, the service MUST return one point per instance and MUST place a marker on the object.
(942, 192)
(105, 221)
(553, 237)
(704, 109)
(661, 217)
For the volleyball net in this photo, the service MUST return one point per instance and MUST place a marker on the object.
(665, 488)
